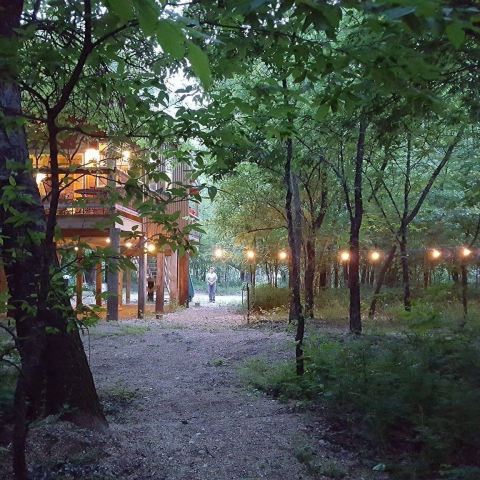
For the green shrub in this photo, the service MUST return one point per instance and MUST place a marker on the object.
(415, 398)
(267, 297)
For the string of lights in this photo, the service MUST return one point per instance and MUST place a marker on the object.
(434, 254)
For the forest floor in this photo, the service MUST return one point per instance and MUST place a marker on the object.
(178, 410)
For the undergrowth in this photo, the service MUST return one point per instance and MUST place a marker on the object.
(414, 398)
(267, 297)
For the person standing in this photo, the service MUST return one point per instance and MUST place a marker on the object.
(212, 284)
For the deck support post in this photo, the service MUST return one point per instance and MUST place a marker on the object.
(183, 280)
(160, 286)
(142, 268)
(128, 285)
(120, 287)
(112, 275)
(98, 284)
(79, 280)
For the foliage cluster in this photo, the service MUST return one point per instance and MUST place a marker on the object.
(415, 398)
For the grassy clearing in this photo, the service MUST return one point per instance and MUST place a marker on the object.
(413, 399)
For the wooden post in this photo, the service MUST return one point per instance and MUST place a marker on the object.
(3, 279)
(160, 286)
(173, 280)
(128, 285)
(142, 268)
(98, 284)
(112, 275)
(183, 279)
(120, 287)
(79, 287)
(79, 280)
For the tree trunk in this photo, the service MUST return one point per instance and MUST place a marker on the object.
(405, 269)
(293, 213)
(335, 275)
(355, 225)
(69, 379)
(323, 280)
(455, 275)
(363, 274)
(310, 276)
(464, 273)
(54, 366)
(380, 280)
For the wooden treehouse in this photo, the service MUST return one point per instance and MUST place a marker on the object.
(84, 217)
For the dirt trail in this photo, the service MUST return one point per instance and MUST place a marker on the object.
(178, 410)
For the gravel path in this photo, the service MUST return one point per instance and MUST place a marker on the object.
(178, 411)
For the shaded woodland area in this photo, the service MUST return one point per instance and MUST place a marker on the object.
(338, 144)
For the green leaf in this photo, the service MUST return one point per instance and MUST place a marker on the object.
(399, 12)
(171, 38)
(199, 62)
(148, 15)
(322, 111)
(122, 8)
(333, 14)
(455, 34)
(212, 192)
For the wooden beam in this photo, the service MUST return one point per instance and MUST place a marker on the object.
(79, 280)
(112, 275)
(160, 286)
(183, 279)
(98, 284)
(120, 287)
(128, 285)
(173, 280)
(79, 288)
(142, 269)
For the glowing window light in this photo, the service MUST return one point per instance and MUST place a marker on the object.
(91, 155)
(375, 256)
(76, 249)
(150, 247)
(344, 256)
(40, 177)
(282, 255)
(466, 252)
(250, 254)
(435, 254)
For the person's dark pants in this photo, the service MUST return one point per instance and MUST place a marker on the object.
(211, 292)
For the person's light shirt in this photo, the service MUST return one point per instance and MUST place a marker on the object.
(211, 278)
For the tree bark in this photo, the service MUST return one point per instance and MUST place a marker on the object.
(405, 270)
(464, 273)
(293, 213)
(380, 280)
(58, 356)
(69, 380)
(310, 276)
(356, 217)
